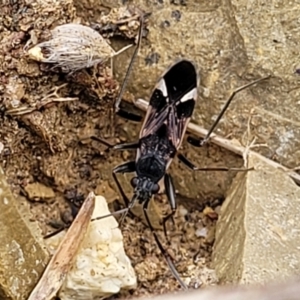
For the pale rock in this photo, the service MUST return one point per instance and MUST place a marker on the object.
(101, 267)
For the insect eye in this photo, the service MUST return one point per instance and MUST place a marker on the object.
(155, 188)
(134, 182)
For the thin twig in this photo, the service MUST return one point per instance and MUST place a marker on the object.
(252, 144)
(52, 97)
(61, 261)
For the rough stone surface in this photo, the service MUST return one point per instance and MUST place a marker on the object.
(231, 43)
(257, 235)
(272, 43)
(278, 291)
(23, 254)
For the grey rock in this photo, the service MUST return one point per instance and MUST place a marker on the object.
(257, 234)
(23, 253)
(231, 44)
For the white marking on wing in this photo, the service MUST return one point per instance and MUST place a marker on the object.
(192, 94)
(162, 86)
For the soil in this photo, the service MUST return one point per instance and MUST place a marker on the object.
(48, 124)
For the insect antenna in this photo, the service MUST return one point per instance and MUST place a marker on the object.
(201, 142)
(122, 89)
(130, 205)
(51, 234)
(121, 211)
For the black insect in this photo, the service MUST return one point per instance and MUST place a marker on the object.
(170, 109)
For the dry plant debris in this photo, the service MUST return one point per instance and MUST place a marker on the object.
(73, 47)
(61, 261)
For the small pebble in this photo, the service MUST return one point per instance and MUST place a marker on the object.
(183, 211)
(1, 147)
(201, 232)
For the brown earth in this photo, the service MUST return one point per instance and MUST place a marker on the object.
(49, 156)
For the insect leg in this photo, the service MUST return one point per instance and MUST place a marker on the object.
(124, 168)
(126, 146)
(119, 98)
(129, 115)
(127, 167)
(191, 166)
(122, 146)
(161, 248)
(170, 191)
(102, 141)
(200, 142)
(62, 228)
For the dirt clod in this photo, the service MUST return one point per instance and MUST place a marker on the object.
(37, 191)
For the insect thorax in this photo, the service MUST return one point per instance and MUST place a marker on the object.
(158, 145)
(155, 153)
(150, 166)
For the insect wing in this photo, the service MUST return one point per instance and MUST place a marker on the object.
(157, 111)
(172, 102)
(181, 82)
